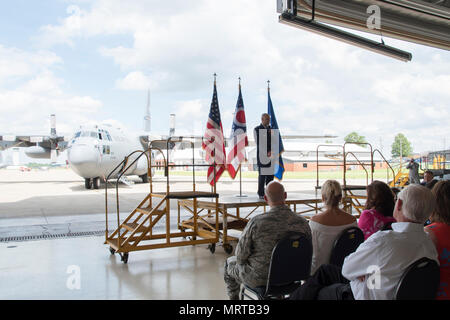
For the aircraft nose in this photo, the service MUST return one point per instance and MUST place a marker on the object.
(84, 160)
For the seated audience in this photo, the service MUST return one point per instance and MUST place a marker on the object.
(439, 231)
(250, 265)
(379, 208)
(374, 270)
(428, 179)
(326, 226)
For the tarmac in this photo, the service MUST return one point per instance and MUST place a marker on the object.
(55, 201)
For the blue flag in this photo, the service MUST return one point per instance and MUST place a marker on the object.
(279, 166)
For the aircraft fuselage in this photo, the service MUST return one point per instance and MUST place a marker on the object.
(95, 151)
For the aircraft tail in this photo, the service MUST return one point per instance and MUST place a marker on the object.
(147, 118)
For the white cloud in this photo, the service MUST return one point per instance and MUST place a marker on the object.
(134, 81)
(30, 92)
(191, 116)
(16, 64)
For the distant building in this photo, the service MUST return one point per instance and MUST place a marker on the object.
(298, 156)
(304, 156)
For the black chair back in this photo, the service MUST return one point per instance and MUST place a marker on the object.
(347, 242)
(387, 226)
(420, 281)
(291, 260)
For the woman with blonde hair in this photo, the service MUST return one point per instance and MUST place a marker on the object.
(326, 226)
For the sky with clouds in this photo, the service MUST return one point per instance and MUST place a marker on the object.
(94, 60)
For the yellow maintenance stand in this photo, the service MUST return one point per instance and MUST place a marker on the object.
(139, 230)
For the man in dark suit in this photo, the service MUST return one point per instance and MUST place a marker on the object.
(262, 135)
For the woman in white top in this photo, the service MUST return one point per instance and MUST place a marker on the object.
(326, 226)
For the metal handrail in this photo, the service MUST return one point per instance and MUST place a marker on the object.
(361, 164)
(371, 160)
(125, 169)
(106, 194)
(393, 172)
(317, 160)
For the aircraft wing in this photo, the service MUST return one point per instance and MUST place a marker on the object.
(161, 142)
(9, 141)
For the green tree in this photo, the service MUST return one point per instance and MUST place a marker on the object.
(401, 146)
(355, 137)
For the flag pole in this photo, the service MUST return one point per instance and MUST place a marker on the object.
(213, 187)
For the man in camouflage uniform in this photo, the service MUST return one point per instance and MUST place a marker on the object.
(413, 171)
(250, 265)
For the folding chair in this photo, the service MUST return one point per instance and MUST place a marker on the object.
(420, 281)
(289, 265)
(387, 226)
(347, 242)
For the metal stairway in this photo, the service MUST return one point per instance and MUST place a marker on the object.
(139, 231)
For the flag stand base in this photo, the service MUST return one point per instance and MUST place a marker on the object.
(241, 196)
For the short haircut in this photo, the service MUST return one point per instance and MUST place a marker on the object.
(429, 171)
(275, 191)
(265, 114)
(418, 203)
(331, 193)
(380, 197)
(441, 191)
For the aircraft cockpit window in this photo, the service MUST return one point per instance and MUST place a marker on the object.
(100, 136)
(77, 134)
(108, 136)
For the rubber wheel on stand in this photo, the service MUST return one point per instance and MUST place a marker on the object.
(228, 248)
(111, 249)
(212, 247)
(124, 257)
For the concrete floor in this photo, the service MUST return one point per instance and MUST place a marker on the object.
(49, 269)
(55, 201)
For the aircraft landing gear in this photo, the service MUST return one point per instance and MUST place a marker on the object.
(88, 183)
(92, 183)
(96, 182)
(144, 178)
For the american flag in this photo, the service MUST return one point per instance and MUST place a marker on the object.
(239, 139)
(213, 142)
